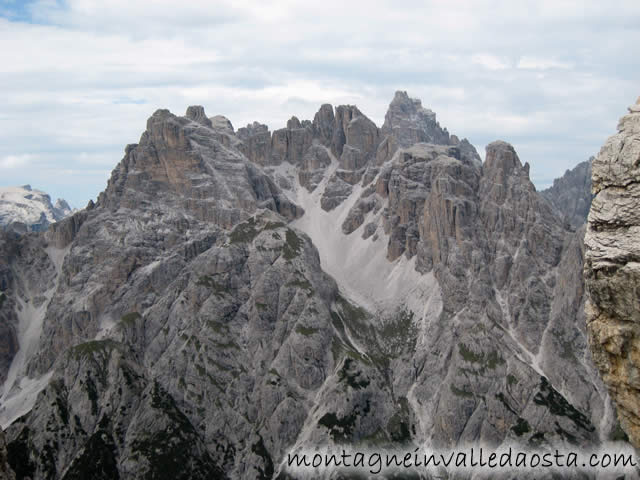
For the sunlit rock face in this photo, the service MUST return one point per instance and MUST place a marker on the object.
(235, 295)
(612, 269)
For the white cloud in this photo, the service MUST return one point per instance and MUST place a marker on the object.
(14, 161)
(532, 63)
(79, 85)
(490, 62)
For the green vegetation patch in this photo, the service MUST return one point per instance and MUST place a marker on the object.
(617, 434)
(348, 316)
(355, 317)
(173, 452)
(293, 245)
(130, 318)
(339, 348)
(59, 402)
(20, 455)
(92, 393)
(217, 327)
(259, 449)
(550, 398)
(97, 459)
(355, 379)
(521, 427)
(219, 289)
(304, 283)
(306, 331)
(244, 232)
(379, 437)
(398, 425)
(398, 335)
(226, 345)
(469, 355)
(88, 349)
(273, 225)
(489, 361)
(341, 428)
(493, 360)
(460, 393)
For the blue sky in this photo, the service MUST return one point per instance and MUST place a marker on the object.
(79, 78)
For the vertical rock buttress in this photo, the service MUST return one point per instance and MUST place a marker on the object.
(612, 269)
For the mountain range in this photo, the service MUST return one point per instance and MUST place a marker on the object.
(236, 295)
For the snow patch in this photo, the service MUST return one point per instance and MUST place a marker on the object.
(30, 319)
(361, 268)
(19, 392)
(57, 256)
(531, 360)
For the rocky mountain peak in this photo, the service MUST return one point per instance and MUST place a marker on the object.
(62, 205)
(501, 156)
(403, 106)
(571, 194)
(182, 166)
(358, 133)
(411, 123)
(196, 113)
(233, 297)
(503, 169)
(323, 123)
(220, 122)
(293, 122)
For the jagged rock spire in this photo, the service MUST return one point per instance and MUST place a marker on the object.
(196, 113)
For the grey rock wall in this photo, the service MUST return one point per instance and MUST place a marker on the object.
(611, 269)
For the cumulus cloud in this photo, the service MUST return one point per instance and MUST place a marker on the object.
(533, 63)
(9, 162)
(80, 77)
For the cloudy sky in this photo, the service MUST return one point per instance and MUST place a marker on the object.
(78, 78)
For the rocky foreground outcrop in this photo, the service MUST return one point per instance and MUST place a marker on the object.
(612, 269)
(235, 296)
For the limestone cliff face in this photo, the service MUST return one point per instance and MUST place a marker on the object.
(234, 296)
(570, 194)
(612, 269)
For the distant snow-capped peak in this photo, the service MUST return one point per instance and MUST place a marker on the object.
(26, 209)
